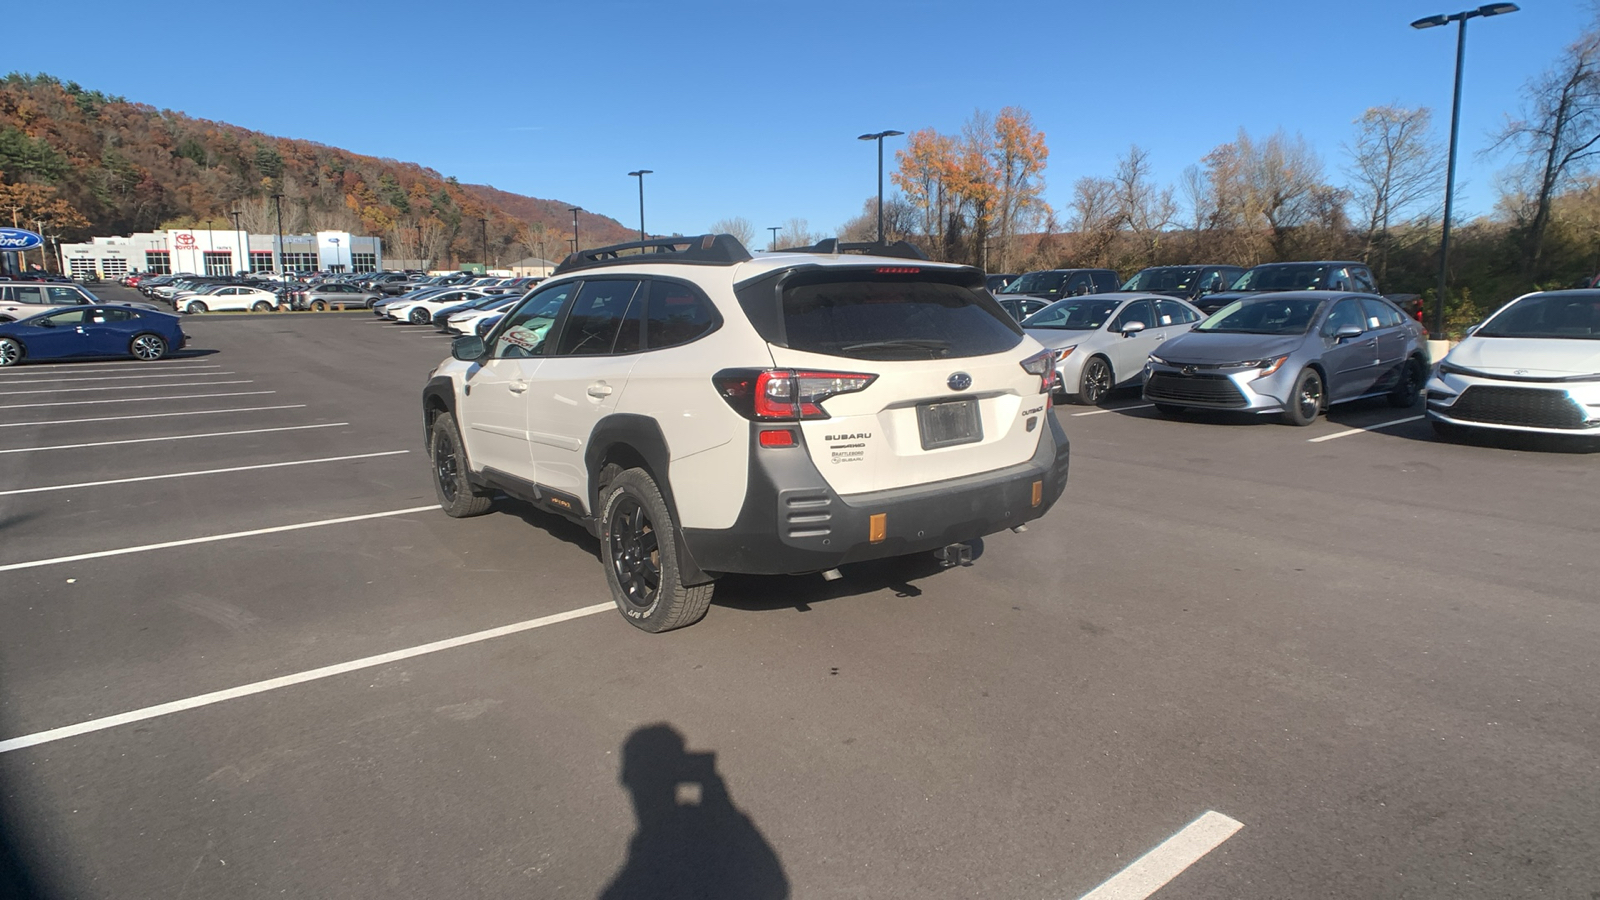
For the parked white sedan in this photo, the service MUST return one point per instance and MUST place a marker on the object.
(420, 312)
(466, 322)
(229, 297)
(1533, 366)
(1102, 340)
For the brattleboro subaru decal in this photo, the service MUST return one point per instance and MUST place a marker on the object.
(17, 239)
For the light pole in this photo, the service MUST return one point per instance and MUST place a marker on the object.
(774, 229)
(483, 224)
(1490, 9)
(419, 249)
(640, 175)
(879, 138)
(277, 204)
(244, 249)
(575, 210)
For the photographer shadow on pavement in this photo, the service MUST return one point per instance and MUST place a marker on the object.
(691, 841)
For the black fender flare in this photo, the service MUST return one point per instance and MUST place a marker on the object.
(644, 437)
(439, 392)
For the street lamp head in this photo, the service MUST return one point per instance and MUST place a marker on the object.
(1431, 22)
(642, 172)
(879, 135)
(893, 133)
(1497, 9)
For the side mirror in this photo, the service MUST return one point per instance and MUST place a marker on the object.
(1132, 328)
(1473, 329)
(468, 348)
(1347, 331)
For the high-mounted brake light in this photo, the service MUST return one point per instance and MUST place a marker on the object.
(785, 395)
(1044, 366)
(899, 270)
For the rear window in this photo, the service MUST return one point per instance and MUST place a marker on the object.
(870, 315)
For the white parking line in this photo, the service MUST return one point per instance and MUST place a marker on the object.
(276, 465)
(119, 366)
(174, 437)
(137, 399)
(1096, 412)
(188, 373)
(1151, 872)
(209, 539)
(129, 387)
(1339, 434)
(273, 684)
(196, 412)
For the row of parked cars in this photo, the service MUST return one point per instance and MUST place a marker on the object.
(194, 294)
(41, 321)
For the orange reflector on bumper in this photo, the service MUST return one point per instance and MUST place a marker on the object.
(878, 528)
(1038, 492)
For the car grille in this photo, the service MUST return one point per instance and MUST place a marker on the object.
(1530, 407)
(1201, 390)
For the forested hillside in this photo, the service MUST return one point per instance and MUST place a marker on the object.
(92, 164)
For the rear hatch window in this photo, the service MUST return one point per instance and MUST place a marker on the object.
(874, 314)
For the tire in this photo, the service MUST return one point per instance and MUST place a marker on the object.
(1169, 409)
(1095, 381)
(148, 347)
(195, 307)
(318, 306)
(261, 306)
(448, 457)
(1305, 401)
(638, 545)
(420, 316)
(1405, 394)
(11, 352)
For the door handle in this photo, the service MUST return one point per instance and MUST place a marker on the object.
(516, 387)
(600, 390)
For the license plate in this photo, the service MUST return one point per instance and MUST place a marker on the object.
(949, 423)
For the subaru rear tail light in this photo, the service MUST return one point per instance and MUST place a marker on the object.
(1044, 366)
(785, 395)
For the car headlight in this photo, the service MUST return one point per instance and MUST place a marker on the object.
(1158, 360)
(1063, 353)
(1268, 366)
(1446, 369)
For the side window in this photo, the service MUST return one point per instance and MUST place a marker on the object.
(523, 331)
(1363, 279)
(1080, 283)
(65, 296)
(109, 314)
(1347, 312)
(677, 315)
(1105, 283)
(1171, 312)
(1380, 314)
(1339, 280)
(30, 294)
(66, 319)
(596, 317)
(1137, 311)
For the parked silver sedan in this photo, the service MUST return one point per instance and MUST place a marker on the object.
(1102, 340)
(1293, 353)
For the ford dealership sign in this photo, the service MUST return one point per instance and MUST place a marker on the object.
(17, 239)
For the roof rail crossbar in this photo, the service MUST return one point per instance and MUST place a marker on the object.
(705, 250)
(897, 250)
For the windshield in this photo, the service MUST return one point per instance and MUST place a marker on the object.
(1073, 315)
(1263, 317)
(1292, 277)
(1561, 316)
(1164, 278)
(1044, 283)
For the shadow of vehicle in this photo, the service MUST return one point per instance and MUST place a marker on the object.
(1531, 442)
(691, 841)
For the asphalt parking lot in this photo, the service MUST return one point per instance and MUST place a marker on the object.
(1371, 652)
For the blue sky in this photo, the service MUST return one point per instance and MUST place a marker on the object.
(752, 109)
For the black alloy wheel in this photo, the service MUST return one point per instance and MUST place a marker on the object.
(1095, 383)
(1305, 401)
(635, 553)
(457, 496)
(1405, 394)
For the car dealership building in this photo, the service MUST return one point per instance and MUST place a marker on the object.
(203, 251)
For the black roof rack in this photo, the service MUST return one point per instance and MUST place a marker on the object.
(898, 249)
(703, 250)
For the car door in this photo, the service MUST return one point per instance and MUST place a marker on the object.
(495, 393)
(1388, 326)
(1352, 362)
(108, 330)
(23, 300)
(1175, 318)
(55, 335)
(1128, 354)
(582, 380)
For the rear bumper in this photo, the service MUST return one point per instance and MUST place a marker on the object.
(792, 522)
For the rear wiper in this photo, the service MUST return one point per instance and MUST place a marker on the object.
(934, 347)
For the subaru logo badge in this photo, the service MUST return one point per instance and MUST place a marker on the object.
(960, 381)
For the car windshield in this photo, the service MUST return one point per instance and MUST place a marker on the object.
(1036, 283)
(1263, 317)
(1163, 278)
(1290, 277)
(1559, 316)
(1073, 315)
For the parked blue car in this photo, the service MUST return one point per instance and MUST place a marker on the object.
(87, 331)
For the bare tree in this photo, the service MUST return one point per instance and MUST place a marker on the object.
(1145, 209)
(1558, 136)
(1394, 169)
(738, 226)
(1094, 220)
(797, 233)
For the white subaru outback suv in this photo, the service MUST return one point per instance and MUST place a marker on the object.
(703, 412)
